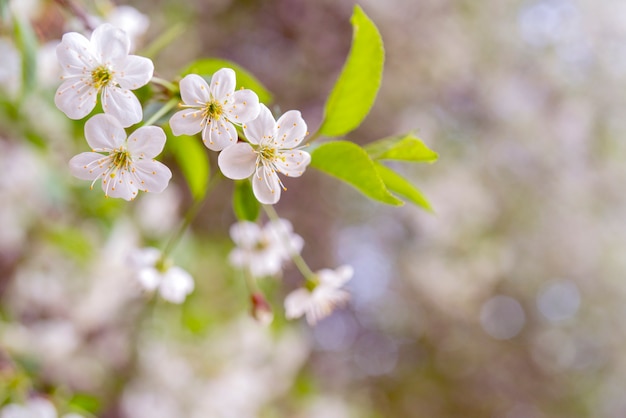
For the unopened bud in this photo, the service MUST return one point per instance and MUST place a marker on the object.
(261, 310)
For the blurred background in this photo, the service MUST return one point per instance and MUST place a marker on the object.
(509, 301)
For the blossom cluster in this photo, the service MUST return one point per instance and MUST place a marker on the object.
(252, 144)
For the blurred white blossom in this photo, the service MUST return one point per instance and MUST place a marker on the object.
(320, 296)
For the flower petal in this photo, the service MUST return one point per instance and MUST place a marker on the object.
(292, 163)
(152, 176)
(186, 122)
(133, 72)
(243, 106)
(176, 285)
(297, 303)
(237, 161)
(219, 134)
(89, 165)
(263, 127)
(75, 98)
(266, 186)
(336, 278)
(76, 55)
(245, 234)
(104, 133)
(146, 142)
(194, 90)
(122, 186)
(223, 84)
(149, 278)
(122, 104)
(110, 43)
(291, 129)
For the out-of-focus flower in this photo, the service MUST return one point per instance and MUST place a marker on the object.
(320, 296)
(172, 282)
(11, 68)
(263, 250)
(214, 109)
(129, 165)
(272, 150)
(131, 21)
(101, 64)
(33, 408)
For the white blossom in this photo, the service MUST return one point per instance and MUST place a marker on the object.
(154, 274)
(263, 251)
(128, 164)
(101, 65)
(214, 109)
(271, 150)
(33, 408)
(318, 299)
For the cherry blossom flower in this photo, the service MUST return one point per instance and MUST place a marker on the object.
(320, 296)
(214, 109)
(271, 150)
(153, 273)
(128, 165)
(33, 408)
(101, 65)
(263, 251)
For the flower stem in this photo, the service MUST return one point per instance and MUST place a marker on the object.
(295, 256)
(167, 84)
(189, 217)
(162, 111)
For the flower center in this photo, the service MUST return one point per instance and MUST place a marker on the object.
(268, 153)
(101, 76)
(121, 159)
(213, 110)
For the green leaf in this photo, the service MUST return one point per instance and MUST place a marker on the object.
(208, 66)
(398, 184)
(354, 92)
(190, 154)
(402, 148)
(27, 44)
(245, 205)
(350, 163)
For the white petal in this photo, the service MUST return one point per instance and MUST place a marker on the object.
(104, 133)
(152, 176)
(144, 257)
(296, 303)
(122, 186)
(186, 122)
(133, 72)
(245, 234)
(237, 161)
(265, 264)
(149, 278)
(89, 165)
(110, 43)
(194, 90)
(75, 55)
(75, 98)
(146, 142)
(176, 285)
(291, 129)
(336, 278)
(262, 127)
(223, 84)
(266, 186)
(243, 106)
(41, 408)
(122, 104)
(219, 134)
(292, 163)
